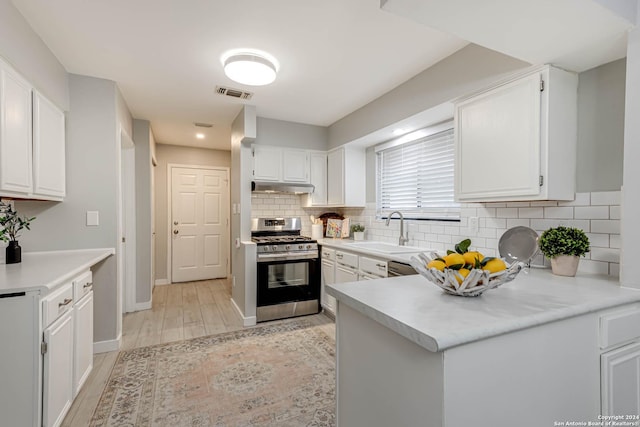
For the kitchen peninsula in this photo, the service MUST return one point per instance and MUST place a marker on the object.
(537, 350)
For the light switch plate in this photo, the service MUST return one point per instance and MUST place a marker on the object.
(93, 218)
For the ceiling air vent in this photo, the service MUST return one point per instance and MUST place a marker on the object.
(234, 93)
(203, 125)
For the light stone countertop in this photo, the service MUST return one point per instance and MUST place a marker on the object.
(421, 312)
(347, 244)
(43, 271)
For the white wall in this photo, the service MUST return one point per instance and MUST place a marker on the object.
(28, 54)
(630, 190)
(166, 154)
(91, 159)
(601, 127)
(143, 140)
(291, 134)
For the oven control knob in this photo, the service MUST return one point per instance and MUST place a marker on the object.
(275, 247)
(300, 246)
(286, 248)
(308, 246)
(265, 249)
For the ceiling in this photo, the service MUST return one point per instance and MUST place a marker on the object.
(165, 55)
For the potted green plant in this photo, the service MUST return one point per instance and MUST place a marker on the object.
(357, 230)
(12, 224)
(564, 246)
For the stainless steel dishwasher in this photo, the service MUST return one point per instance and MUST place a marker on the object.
(395, 268)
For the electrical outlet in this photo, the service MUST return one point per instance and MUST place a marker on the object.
(473, 224)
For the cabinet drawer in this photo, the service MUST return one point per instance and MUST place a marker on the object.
(619, 326)
(346, 258)
(373, 266)
(329, 254)
(56, 304)
(82, 285)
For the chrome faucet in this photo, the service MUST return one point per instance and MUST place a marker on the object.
(403, 238)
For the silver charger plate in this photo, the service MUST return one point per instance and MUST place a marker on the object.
(518, 244)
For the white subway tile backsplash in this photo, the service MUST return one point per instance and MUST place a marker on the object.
(599, 240)
(537, 212)
(507, 213)
(593, 267)
(581, 199)
(614, 241)
(515, 222)
(605, 198)
(586, 212)
(558, 212)
(605, 254)
(614, 212)
(591, 212)
(611, 226)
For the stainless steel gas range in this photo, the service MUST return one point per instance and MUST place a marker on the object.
(288, 280)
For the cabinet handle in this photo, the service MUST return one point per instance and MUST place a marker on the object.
(381, 265)
(87, 285)
(66, 301)
(339, 256)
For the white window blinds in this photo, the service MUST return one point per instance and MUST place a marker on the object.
(416, 178)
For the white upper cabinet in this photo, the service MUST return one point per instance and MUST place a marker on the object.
(32, 141)
(517, 140)
(48, 148)
(15, 133)
(295, 165)
(346, 183)
(267, 163)
(318, 177)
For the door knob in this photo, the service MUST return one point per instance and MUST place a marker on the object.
(175, 222)
(175, 231)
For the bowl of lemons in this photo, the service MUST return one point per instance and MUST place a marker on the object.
(463, 272)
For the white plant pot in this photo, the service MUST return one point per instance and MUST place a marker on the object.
(565, 265)
(358, 235)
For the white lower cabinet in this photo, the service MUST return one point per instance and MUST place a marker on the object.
(46, 353)
(620, 361)
(57, 385)
(328, 278)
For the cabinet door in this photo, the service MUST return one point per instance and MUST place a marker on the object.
(82, 341)
(295, 165)
(15, 132)
(335, 177)
(267, 163)
(57, 382)
(498, 142)
(328, 278)
(621, 381)
(344, 275)
(48, 148)
(318, 177)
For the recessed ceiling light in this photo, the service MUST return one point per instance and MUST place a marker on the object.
(250, 68)
(200, 135)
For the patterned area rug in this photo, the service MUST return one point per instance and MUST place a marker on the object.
(277, 375)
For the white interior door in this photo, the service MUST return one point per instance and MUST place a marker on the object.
(199, 224)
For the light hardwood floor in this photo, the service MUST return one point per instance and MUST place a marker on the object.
(180, 311)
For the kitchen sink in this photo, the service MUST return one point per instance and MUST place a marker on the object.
(386, 248)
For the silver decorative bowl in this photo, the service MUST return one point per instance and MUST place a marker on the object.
(477, 281)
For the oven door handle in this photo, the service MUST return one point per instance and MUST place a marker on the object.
(288, 256)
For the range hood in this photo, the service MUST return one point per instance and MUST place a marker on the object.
(281, 187)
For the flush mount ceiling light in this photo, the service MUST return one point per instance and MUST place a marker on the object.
(250, 69)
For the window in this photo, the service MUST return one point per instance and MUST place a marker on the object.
(415, 175)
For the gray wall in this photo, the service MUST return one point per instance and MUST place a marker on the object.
(143, 140)
(601, 127)
(166, 154)
(91, 167)
(28, 54)
(469, 69)
(291, 134)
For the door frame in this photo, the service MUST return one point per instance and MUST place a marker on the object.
(127, 224)
(170, 167)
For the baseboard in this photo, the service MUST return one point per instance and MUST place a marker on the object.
(143, 306)
(107, 346)
(160, 282)
(246, 321)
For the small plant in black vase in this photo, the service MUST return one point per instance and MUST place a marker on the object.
(12, 224)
